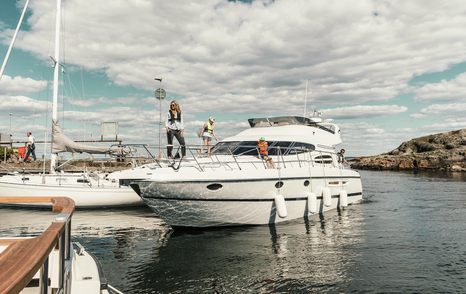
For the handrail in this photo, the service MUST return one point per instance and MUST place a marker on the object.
(284, 155)
(23, 258)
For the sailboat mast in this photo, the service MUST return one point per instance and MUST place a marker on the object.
(5, 61)
(53, 158)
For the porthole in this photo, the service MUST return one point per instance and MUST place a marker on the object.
(279, 184)
(215, 186)
(306, 183)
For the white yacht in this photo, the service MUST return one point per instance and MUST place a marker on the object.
(87, 190)
(235, 186)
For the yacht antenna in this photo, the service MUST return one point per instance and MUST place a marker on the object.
(56, 59)
(13, 40)
(305, 99)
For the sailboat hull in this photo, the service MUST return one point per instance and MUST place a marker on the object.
(87, 193)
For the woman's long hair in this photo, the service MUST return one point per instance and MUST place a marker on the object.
(177, 106)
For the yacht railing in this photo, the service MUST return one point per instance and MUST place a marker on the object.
(283, 157)
(23, 258)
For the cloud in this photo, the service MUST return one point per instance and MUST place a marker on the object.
(20, 85)
(104, 101)
(361, 111)
(359, 51)
(449, 110)
(445, 126)
(22, 104)
(453, 90)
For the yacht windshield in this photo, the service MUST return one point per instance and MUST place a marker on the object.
(250, 148)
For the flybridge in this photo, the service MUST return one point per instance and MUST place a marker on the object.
(291, 120)
(280, 121)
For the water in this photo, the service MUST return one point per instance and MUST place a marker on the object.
(408, 235)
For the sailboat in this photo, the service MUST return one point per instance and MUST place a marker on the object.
(86, 189)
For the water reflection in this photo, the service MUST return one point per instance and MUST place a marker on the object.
(139, 252)
(406, 236)
(306, 255)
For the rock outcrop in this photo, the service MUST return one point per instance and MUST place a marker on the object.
(445, 152)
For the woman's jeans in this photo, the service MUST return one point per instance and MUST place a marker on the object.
(31, 151)
(175, 133)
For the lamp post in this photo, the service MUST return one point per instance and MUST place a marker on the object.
(11, 136)
(160, 95)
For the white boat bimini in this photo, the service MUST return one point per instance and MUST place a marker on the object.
(235, 186)
(50, 262)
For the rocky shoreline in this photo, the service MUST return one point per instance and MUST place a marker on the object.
(437, 152)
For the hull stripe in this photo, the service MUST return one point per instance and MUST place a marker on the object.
(244, 200)
(248, 180)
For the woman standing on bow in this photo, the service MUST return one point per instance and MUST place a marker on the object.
(175, 128)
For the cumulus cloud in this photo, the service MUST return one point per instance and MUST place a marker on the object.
(448, 110)
(20, 85)
(103, 101)
(361, 111)
(445, 90)
(360, 51)
(451, 108)
(22, 104)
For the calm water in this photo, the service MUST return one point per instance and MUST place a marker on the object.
(408, 235)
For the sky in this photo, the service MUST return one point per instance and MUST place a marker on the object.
(384, 71)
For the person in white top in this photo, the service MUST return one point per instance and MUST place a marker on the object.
(31, 147)
(175, 128)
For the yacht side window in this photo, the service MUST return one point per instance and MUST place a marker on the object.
(224, 147)
(250, 148)
(246, 148)
(301, 148)
(236, 148)
(277, 148)
(289, 148)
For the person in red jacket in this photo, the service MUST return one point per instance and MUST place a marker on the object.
(263, 152)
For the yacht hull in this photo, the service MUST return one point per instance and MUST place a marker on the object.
(244, 201)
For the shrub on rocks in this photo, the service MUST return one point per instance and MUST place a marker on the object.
(424, 147)
(450, 146)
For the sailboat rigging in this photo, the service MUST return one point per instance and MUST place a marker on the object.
(86, 189)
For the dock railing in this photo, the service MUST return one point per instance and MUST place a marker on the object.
(24, 257)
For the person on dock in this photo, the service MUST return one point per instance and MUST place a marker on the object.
(208, 133)
(31, 147)
(263, 147)
(175, 128)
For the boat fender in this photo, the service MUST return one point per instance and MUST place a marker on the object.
(312, 202)
(327, 196)
(343, 198)
(280, 206)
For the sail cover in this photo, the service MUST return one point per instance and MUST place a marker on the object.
(61, 143)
